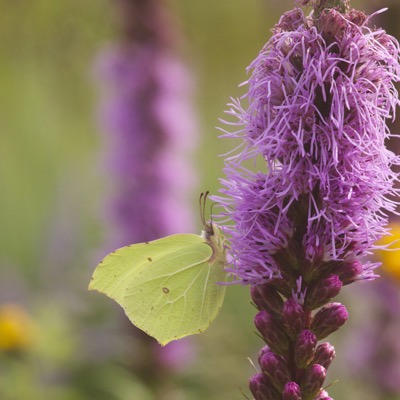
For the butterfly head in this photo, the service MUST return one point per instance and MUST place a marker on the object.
(211, 232)
(216, 239)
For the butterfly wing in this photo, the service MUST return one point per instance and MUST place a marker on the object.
(176, 294)
(118, 268)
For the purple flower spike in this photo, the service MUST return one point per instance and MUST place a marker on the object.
(293, 317)
(313, 380)
(275, 367)
(324, 355)
(272, 331)
(149, 130)
(262, 389)
(323, 291)
(291, 391)
(305, 348)
(315, 116)
(329, 319)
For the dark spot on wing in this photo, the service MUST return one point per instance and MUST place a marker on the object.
(149, 258)
(146, 242)
(165, 290)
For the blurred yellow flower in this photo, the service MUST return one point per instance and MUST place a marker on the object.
(16, 328)
(391, 259)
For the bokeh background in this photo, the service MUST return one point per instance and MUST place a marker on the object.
(57, 340)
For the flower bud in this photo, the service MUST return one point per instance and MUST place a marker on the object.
(357, 17)
(272, 331)
(265, 297)
(291, 391)
(323, 395)
(264, 350)
(324, 355)
(304, 349)
(313, 380)
(349, 271)
(291, 20)
(293, 317)
(329, 319)
(275, 367)
(284, 284)
(324, 290)
(262, 389)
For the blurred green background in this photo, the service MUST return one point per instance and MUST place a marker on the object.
(51, 202)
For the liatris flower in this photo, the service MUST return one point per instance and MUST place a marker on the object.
(150, 135)
(150, 126)
(150, 131)
(319, 95)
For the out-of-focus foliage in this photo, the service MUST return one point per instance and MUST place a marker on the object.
(63, 342)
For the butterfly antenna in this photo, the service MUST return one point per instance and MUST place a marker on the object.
(211, 209)
(201, 208)
(210, 225)
(202, 204)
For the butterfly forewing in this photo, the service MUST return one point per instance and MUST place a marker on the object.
(117, 269)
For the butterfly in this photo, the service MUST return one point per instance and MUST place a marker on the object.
(171, 287)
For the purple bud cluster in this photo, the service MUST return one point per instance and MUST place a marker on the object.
(320, 93)
(293, 362)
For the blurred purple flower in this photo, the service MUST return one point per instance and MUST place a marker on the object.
(150, 134)
(373, 350)
(319, 95)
